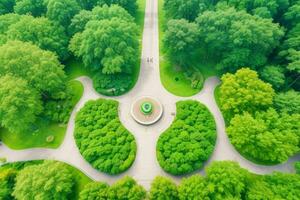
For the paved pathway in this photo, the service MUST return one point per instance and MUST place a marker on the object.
(145, 167)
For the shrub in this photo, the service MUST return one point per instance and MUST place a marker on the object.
(189, 141)
(163, 188)
(94, 190)
(192, 188)
(102, 139)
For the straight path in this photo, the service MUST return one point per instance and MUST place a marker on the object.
(145, 168)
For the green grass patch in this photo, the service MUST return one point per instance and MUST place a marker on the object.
(43, 129)
(179, 81)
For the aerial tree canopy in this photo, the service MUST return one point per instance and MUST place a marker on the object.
(102, 139)
(163, 188)
(30, 7)
(189, 141)
(41, 32)
(6, 6)
(19, 104)
(235, 36)
(94, 191)
(109, 46)
(244, 91)
(292, 16)
(98, 13)
(181, 37)
(50, 180)
(273, 75)
(62, 11)
(40, 68)
(288, 102)
(267, 136)
(7, 182)
(192, 187)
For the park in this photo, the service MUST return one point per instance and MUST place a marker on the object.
(149, 99)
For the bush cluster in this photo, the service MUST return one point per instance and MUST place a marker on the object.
(189, 141)
(102, 139)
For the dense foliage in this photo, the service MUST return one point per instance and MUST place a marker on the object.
(288, 102)
(102, 139)
(6, 6)
(50, 180)
(30, 7)
(94, 191)
(189, 141)
(163, 188)
(7, 182)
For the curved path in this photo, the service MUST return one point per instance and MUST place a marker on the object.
(145, 167)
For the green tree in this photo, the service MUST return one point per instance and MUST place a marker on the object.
(267, 137)
(32, 7)
(244, 91)
(273, 75)
(50, 180)
(19, 104)
(126, 189)
(287, 102)
(7, 182)
(297, 167)
(41, 32)
(40, 68)
(119, 52)
(163, 188)
(62, 11)
(6, 6)
(226, 180)
(102, 139)
(192, 188)
(5, 21)
(98, 13)
(189, 141)
(181, 37)
(292, 17)
(94, 191)
(235, 36)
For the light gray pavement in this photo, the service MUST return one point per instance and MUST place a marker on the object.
(145, 168)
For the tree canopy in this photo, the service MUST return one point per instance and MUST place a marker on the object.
(288, 102)
(30, 7)
(50, 180)
(129, 5)
(119, 52)
(163, 188)
(7, 182)
(19, 104)
(94, 191)
(273, 75)
(6, 6)
(181, 37)
(235, 36)
(244, 91)
(189, 141)
(102, 139)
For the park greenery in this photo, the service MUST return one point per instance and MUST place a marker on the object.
(223, 180)
(189, 141)
(101, 138)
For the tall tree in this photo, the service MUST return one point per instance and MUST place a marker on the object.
(287, 102)
(273, 75)
(235, 36)
(32, 7)
(181, 37)
(292, 16)
(41, 32)
(6, 6)
(19, 104)
(109, 46)
(50, 180)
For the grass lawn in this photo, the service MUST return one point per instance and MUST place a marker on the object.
(44, 129)
(74, 68)
(80, 179)
(175, 81)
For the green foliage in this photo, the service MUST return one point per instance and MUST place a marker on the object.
(163, 188)
(50, 180)
(5, 21)
(102, 139)
(187, 9)
(292, 16)
(41, 32)
(192, 188)
(112, 85)
(31, 7)
(189, 141)
(235, 36)
(98, 13)
(62, 11)
(267, 137)
(7, 181)
(40, 68)
(19, 104)
(129, 5)
(181, 37)
(273, 75)
(297, 167)
(94, 191)
(126, 189)
(6, 6)
(244, 91)
(287, 102)
(119, 52)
